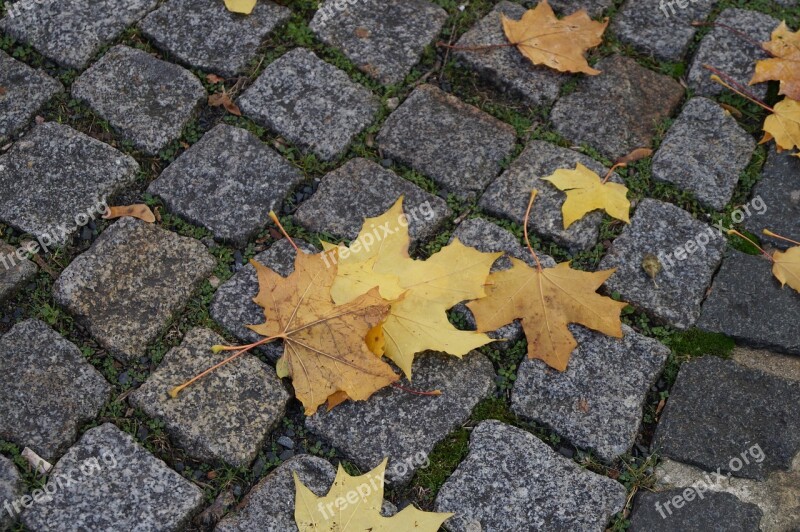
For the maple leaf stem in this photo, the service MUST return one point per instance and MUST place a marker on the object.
(729, 83)
(740, 235)
(474, 48)
(525, 229)
(274, 218)
(611, 171)
(775, 235)
(733, 30)
(416, 392)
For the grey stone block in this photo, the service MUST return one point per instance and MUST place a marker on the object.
(717, 512)
(383, 38)
(674, 238)
(619, 110)
(311, 103)
(779, 190)
(23, 91)
(14, 272)
(47, 389)
(566, 7)
(704, 153)
(117, 486)
(363, 189)
(228, 182)
(146, 100)
(205, 35)
(597, 402)
(11, 488)
(72, 32)
(457, 145)
(130, 283)
(511, 480)
(226, 416)
(399, 425)
(54, 176)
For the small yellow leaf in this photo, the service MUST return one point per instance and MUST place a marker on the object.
(139, 211)
(586, 192)
(787, 267)
(784, 125)
(245, 7)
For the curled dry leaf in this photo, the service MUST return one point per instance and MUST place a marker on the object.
(213, 78)
(785, 65)
(587, 192)
(636, 155)
(223, 99)
(139, 211)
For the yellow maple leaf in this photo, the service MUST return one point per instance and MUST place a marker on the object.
(418, 321)
(785, 65)
(786, 267)
(324, 344)
(784, 125)
(587, 192)
(245, 7)
(560, 44)
(354, 503)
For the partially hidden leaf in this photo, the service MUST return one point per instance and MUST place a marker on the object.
(786, 267)
(785, 65)
(587, 192)
(224, 99)
(245, 7)
(784, 126)
(139, 211)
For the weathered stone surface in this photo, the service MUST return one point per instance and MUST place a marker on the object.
(402, 426)
(723, 417)
(24, 92)
(567, 7)
(205, 35)
(747, 303)
(363, 189)
(508, 195)
(228, 182)
(597, 402)
(704, 153)
(311, 103)
(225, 416)
(71, 32)
(720, 512)
(730, 53)
(619, 110)
(779, 189)
(118, 486)
(688, 251)
(506, 68)
(54, 176)
(14, 273)
(233, 307)
(10, 489)
(383, 38)
(146, 100)
(511, 480)
(457, 145)
(48, 389)
(128, 285)
(661, 29)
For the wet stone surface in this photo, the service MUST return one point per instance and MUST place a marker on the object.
(23, 92)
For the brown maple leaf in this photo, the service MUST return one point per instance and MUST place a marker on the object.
(224, 99)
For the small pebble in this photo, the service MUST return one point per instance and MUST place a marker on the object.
(286, 442)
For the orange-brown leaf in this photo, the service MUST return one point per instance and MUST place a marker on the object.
(224, 99)
(139, 211)
(785, 65)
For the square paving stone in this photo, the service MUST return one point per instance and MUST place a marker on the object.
(383, 38)
(130, 283)
(508, 195)
(619, 110)
(662, 29)
(747, 303)
(511, 480)
(779, 190)
(731, 53)
(47, 389)
(687, 250)
(363, 189)
(457, 145)
(23, 91)
(117, 486)
(720, 512)
(704, 153)
(227, 182)
(54, 176)
(205, 35)
(400, 425)
(311, 103)
(14, 272)
(233, 307)
(718, 411)
(146, 100)
(597, 403)
(507, 68)
(225, 416)
(566, 7)
(71, 32)
(11, 488)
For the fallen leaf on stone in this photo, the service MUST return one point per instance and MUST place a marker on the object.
(586, 192)
(560, 44)
(786, 267)
(354, 503)
(245, 7)
(784, 126)
(785, 65)
(223, 99)
(139, 211)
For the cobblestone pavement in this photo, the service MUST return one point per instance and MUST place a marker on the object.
(690, 422)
